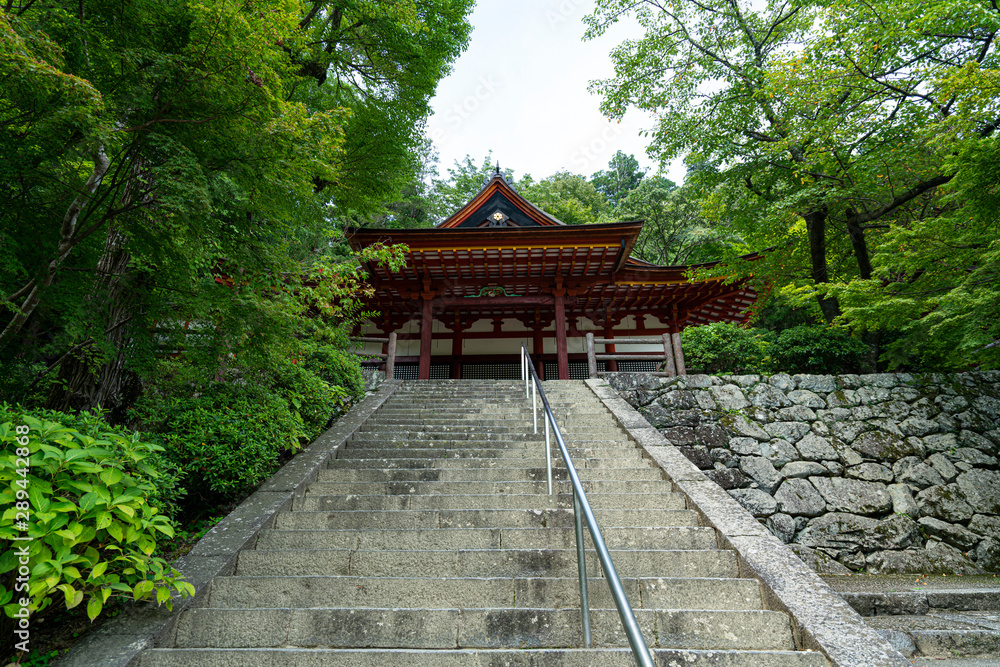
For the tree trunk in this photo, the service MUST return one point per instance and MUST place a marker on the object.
(32, 292)
(859, 244)
(816, 227)
(94, 376)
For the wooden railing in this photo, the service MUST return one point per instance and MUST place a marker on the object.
(389, 357)
(672, 357)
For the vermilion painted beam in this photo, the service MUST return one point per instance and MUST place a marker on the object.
(480, 301)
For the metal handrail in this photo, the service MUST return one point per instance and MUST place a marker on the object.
(582, 506)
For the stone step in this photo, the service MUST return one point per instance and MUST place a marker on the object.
(527, 445)
(511, 426)
(608, 657)
(476, 518)
(598, 501)
(469, 592)
(488, 474)
(472, 435)
(943, 634)
(412, 463)
(621, 454)
(452, 628)
(484, 563)
(649, 537)
(483, 487)
(472, 414)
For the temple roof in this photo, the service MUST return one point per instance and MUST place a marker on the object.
(502, 256)
(498, 205)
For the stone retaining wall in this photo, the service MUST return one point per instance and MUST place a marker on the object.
(883, 473)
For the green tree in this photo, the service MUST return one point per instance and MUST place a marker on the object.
(829, 127)
(170, 162)
(674, 231)
(622, 176)
(416, 206)
(565, 196)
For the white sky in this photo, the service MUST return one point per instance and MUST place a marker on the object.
(520, 90)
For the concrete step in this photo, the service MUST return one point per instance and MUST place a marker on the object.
(476, 518)
(608, 657)
(483, 563)
(677, 537)
(488, 474)
(474, 628)
(470, 592)
(484, 487)
(598, 501)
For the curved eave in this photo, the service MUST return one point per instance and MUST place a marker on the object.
(438, 237)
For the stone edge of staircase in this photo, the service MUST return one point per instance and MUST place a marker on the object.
(821, 619)
(120, 640)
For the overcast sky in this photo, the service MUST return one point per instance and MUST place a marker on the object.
(520, 90)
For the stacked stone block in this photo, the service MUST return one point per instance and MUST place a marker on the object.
(882, 473)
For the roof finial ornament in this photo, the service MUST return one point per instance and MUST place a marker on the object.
(498, 167)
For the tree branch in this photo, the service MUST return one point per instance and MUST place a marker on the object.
(899, 200)
(67, 242)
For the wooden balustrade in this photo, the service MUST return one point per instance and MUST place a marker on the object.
(672, 357)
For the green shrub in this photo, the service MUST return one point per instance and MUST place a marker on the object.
(169, 488)
(723, 347)
(816, 349)
(336, 366)
(312, 398)
(86, 501)
(229, 438)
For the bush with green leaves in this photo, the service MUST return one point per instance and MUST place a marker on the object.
(817, 349)
(336, 366)
(228, 438)
(313, 399)
(724, 347)
(85, 494)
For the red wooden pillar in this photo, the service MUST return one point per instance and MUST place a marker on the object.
(562, 354)
(426, 321)
(609, 348)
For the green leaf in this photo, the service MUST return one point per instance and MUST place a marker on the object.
(114, 529)
(142, 589)
(104, 519)
(88, 501)
(38, 499)
(111, 476)
(94, 607)
(8, 561)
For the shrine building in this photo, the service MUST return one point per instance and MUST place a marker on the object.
(501, 272)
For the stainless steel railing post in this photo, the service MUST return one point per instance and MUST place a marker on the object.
(581, 562)
(534, 407)
(524, 370)
(548, 454)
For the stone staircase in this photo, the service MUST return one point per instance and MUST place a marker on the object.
(430, 539)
